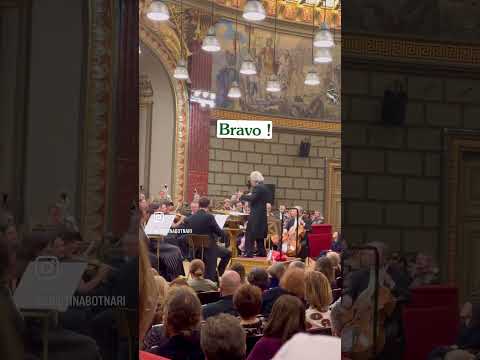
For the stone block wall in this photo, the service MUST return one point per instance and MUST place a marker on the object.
(298, 181)
(392, 175)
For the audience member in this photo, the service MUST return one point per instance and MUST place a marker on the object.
(248, 302)
(197, 282)
(222, 338)
(181, 319)
(325, 266)
(469, 336)
(307, 347)
(287, 319)
(229, 283)
(259, 278)
(276, 272)
(179, 281)
(297, 264)
(292, 282)
(240, 269)
(318, 294)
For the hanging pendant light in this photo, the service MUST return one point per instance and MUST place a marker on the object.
(323, 37)
(235, 92)
(273, 84)
(322, 56)
(210, 42)
(158, 11)
(254, 11)
(312, 78)
(248, 66)
(181, 71)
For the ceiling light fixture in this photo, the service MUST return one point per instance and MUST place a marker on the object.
(323, 37)
(235, 92)
(158, 11)
(210, 42)
(273, 84)
(312, 78)
(181, 70)
(248, 66)
(254, 11)
(205, 98)
(322, 56)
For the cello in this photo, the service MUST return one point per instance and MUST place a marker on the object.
(291, 239)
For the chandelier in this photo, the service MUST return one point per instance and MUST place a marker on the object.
(254, 11)
(158, 11)
(205, 98)
(210, 42)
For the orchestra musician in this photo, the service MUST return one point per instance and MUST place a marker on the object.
(257, 229)
(204, 223)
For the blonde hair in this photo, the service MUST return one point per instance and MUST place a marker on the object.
(294, 282)
(318, 291)
(162, 285)
(148, 292)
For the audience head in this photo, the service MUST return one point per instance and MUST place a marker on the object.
(222, 337)
(203, 203)
(334, 258)
(459, 355)
(259, 277)
(306, 347)
(229, 283)
(297, 264)
(148, 293)
(286, 319)
(276, 272)
(293, 281)
(240, 269)
(178, 282)
(162, 285)
(248, 301)
(324, 265)
(181, 312)
(470, 315)
(197, 268)
(318, 291)
(194, 207)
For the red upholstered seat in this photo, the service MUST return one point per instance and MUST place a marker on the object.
(147, 356)
(434, 295)
(426, 329)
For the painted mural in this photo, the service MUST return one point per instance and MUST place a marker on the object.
(293, 60)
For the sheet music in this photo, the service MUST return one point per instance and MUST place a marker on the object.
(48, 284)
(159, 224)
(221, 219)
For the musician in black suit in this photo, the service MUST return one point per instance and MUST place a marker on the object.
(204, 223)
(257, 227)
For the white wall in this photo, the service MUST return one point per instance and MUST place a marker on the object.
(163, 122)
(53, 136)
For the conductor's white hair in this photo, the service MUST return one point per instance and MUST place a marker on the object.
(257, 176)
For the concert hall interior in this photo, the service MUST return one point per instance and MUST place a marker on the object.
(216, 203)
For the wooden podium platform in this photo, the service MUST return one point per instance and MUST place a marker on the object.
(258, 262)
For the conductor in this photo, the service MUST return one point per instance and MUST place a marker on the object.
(257, 227)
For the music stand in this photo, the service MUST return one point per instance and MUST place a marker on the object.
(198, 241)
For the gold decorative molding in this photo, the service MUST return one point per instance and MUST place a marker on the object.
(415, 50)
(282, 122)
(168, 57)
(96, 137)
